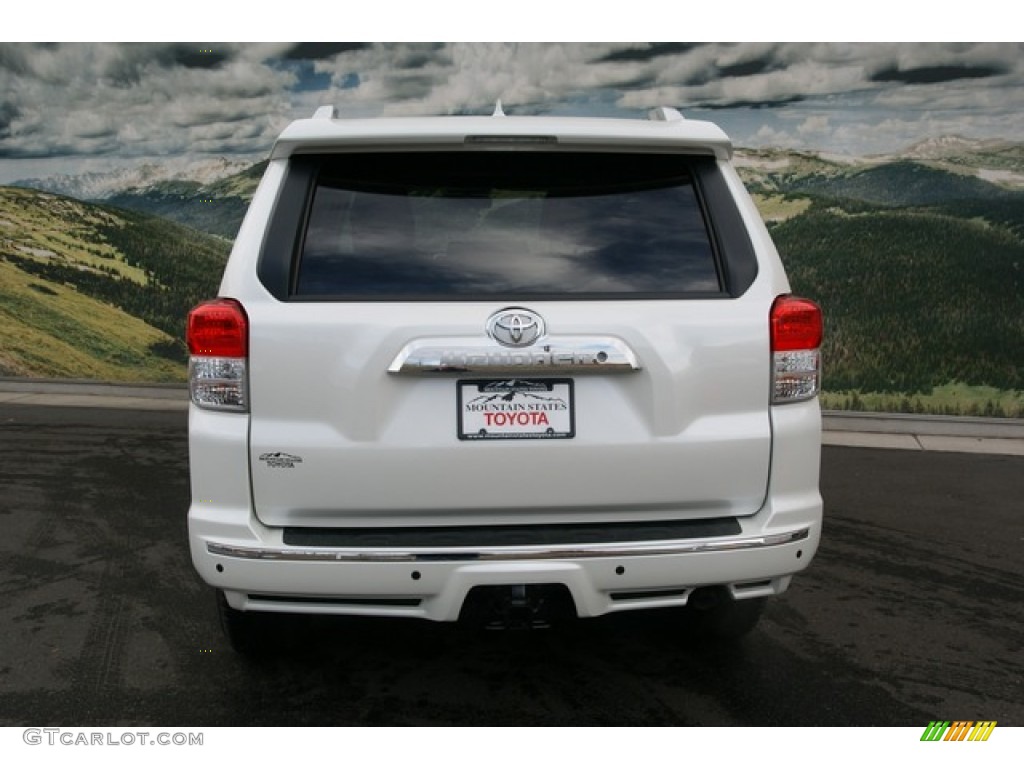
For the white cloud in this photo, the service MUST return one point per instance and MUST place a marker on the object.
(120, 101)
(68, 96)
(767, 136)
(814, 126)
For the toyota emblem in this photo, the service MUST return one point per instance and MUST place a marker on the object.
(515, 327)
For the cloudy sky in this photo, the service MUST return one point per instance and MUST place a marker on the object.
(74, 107)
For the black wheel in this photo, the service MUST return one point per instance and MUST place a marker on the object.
(716, 616)
(242, 629)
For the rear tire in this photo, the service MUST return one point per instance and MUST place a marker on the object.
(724, 619)
(242, 629)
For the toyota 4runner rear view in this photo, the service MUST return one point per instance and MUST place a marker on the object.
(504, 370)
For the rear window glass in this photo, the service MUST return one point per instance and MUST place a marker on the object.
(510, 224)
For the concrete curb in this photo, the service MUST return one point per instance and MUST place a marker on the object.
(858, 430)
(94, 388)
(911, 432)
(905, 423)
(93, 394)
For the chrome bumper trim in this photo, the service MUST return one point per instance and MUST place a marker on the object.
(555, 552)
(552, 355)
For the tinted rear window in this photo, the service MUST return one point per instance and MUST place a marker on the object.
(509, 224)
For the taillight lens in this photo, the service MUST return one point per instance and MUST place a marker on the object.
(218, 328)
(796, 331)
(218, 342)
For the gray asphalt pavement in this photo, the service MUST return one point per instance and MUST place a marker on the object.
(912, 611)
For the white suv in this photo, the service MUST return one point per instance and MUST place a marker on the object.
(502, 369)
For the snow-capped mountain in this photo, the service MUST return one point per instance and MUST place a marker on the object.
(943, 147)
(103, 185)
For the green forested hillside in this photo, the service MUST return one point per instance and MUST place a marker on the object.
(899, 184)
(91, 291)
(918, 264)
(913, 298)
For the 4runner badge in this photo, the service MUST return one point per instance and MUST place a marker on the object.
(280, 460)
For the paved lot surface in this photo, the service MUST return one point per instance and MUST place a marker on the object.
(912, 611)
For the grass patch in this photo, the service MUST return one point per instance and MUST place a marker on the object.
(52, 331)
(953, 399)
(46, 227)
(776, 208)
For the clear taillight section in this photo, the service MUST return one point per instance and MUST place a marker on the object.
(796, 331)
(218, 344)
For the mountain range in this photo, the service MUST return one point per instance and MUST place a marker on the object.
(213, 195)
(150, 175)
(210, 196)
(917, 259)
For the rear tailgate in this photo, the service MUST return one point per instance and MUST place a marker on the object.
(336, 440)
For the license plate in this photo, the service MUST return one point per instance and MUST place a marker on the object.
(507, 409)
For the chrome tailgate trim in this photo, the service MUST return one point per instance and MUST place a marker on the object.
(553, 355)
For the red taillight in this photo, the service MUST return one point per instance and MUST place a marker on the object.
(796, 329)
(218, 342)
(796, 324)
(218, 328)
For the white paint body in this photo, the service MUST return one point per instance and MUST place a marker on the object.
(691, 435)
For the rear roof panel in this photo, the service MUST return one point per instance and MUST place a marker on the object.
(322, 133)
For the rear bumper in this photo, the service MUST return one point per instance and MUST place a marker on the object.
(433, 584)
